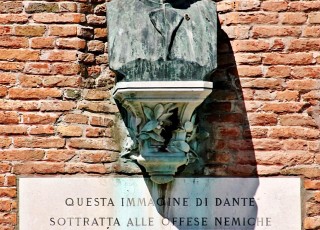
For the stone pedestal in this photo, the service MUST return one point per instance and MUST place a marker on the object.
(161, 123)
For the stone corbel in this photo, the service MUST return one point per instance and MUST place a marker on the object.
(160, 119)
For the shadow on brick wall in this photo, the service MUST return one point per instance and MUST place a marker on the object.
(230, 150)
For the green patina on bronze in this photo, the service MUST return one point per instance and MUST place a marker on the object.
(151, 40)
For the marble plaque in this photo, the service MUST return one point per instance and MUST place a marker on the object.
(135, 203)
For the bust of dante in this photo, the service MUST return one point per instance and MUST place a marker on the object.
(157, 40)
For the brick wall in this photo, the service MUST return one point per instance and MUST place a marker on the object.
(56, 116)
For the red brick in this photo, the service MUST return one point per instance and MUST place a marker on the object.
(244, 58)
(218, 158)
(37, 7)
(11, 180)
(76, 118)
(57, 106)
(7, 78)
(314, 18)
(288, 59)
(285, 158)
(13, 129)
(38, 142)
(39, 118)
(59, 155)
(312, 222)
(42, 42)
(249, 45)
(262, 83)
(85, 32)
(278, 45)
(100, 9)
(98, 132)
(242, 170)
(33, 93)
(295, 144)
(93, 143)
(296, 120)
(96, 20)
(275, 31)
(19, 55)
(225, 6)
(62, 31)
(9, 117)
(5, 142)
(312, 95)
(11, 7)
(304, 6)
(97, 156)
(88, 168)
(256, 132)
(30, 80)
(38, 68)
(249, 5)
(304, 45)
(293, 132)
(61, 55)
(4, 168)
(65, 69)
(42, 130)
(237, 32)
(71, 43)
(306, 72)
(263, 95)
(287, 95)
(8, 192)
(61, 81)
(30, 30)
(228, 132)
(11, 66)
(5, 30)
(105, 107)
(59, 18)
(287, 107)
(262, 119)
(94, 71)
(248, 18)
(5, 205)
(13, 42)
(308, 171)
(13, 18)
(3, 91)
(94, 94)
(278, 71)
(311, 31)
(312, 184)
(95, 46)
(227, 118)
(295, 18)
(102, 59)
(266, 144)
(306, 84)
(38, 167)
(100, 33)
(86, 57)
(69, 131)
(68, 7)
(312, 209)
(249, 71)
(274, 5)
(19, 105)
(21, 155)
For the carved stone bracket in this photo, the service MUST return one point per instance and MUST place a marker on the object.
(160, 119)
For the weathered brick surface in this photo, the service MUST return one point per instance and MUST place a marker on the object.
(56, 116)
